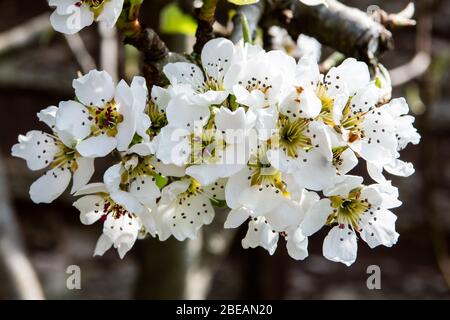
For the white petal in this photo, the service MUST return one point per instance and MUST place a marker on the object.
(354, 74)
(340, 245)
(95, 88)
(104, 243)
(145, 190)
(185, 73)
(348, 161)
(111, 12)
(168, 170)
(297, 245)
(84, 172)
(170, 192)
(183, 114)
(216, 190)
(143, 149)
(216, 57)
(266, 122)
(91, 188)
(315, 168)
(73, 117)
(98, 146)
(307, 72)
(379, 228)
(48, 116)
(261, 199)
(90, 207)
(160, 97)
(304, 104)
(237, 183)
(343, 185)
(190, 216)
(36, 148)
(236, 217)
(72, 22)
(174, 146)
(260, 234)
(309, 46)
(127, 201)
(316, 217)
(113, 177)
(285, 214)
(50, 186)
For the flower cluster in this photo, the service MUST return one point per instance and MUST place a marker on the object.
(269, 137)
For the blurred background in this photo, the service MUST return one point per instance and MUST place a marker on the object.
(39, 242)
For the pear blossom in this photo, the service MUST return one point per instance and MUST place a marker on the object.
(256, 77)
(121, 224)
(354, 210)
(57, 152)
(185, 206)
(207, 83)
(70, 16)
(104, 117)
(302, 148)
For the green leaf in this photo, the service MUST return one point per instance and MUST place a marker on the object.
(243, 2)
(174, 21)
(161, 181)
(219, 203)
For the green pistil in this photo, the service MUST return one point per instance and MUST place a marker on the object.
(96, 6)
(206, 147)
(337, 153)
(65, 157)
(292, 136)
(349, 210)
(158, 119)
(143, 168)
(105, 119)
(264, 174)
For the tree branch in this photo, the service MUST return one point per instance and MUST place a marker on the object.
(144, 39)
(348, 30)
(205, 21)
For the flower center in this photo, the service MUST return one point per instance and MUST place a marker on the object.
(264, 174)
(158, 119)
(96, 6)
(105, 119)
(337, 155)
(349, 210)
(352, 121)
(114, 209)
(257, 84)
(206, 146)
(292, 135)
(65, 157)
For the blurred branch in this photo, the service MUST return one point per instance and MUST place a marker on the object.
(80, 52)
(253, 13)
(346, 29)
(413, 69)
(205, 21)
(109, 51)
(17, 276)
(25, 33)
(395, 20)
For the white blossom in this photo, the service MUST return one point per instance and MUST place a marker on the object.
(70, 16)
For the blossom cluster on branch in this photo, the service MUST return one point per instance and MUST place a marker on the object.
(256, 131)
